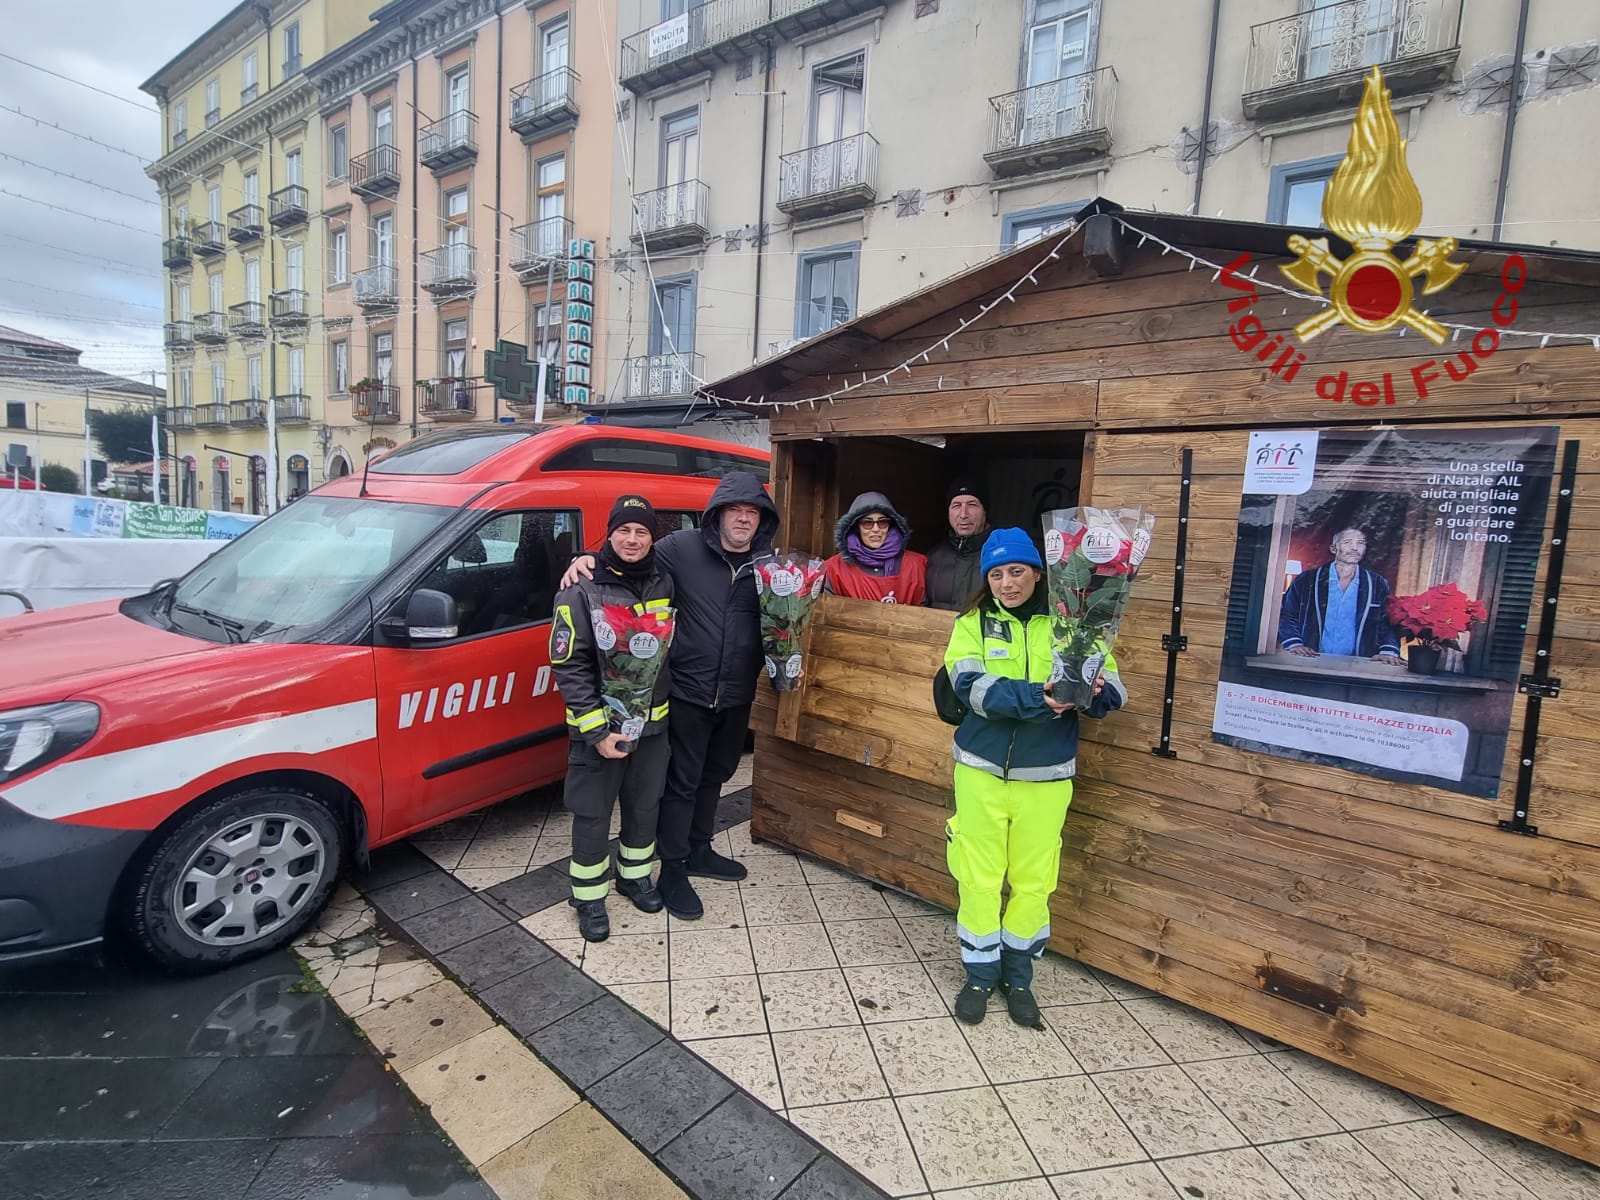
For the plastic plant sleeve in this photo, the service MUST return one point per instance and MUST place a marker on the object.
(788, 583)
(633, 647)
(1092, 556)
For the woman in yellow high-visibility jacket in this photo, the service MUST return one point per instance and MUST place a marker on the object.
(1016, 752)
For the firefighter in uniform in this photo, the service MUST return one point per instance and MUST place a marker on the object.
(599, 770)
(1015, 754)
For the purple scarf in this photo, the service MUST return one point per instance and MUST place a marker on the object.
(880, 559)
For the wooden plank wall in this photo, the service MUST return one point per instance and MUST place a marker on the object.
(1465, 960)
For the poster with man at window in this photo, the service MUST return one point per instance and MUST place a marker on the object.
(1380, 598)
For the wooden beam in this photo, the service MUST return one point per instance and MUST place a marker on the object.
(1102, 245)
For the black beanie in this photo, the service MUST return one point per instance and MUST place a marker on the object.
(967, 486)
(635, 509)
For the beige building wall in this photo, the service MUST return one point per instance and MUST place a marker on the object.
(937, 206)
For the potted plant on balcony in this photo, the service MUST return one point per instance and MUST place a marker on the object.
(369, 384)
(1434, 621)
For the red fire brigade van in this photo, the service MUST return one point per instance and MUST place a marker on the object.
(191, 767)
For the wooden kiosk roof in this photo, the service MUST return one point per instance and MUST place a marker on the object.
(1396, 929)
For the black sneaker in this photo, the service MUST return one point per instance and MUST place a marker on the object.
(677, 893)
(593, 922)
(972, 1004)
(642, 893)
(706, 862)
(1024, 1009)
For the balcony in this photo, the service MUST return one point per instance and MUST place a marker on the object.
(832, 178)
(1052, 124)
(293, 409)
(376, 405)
(251, 413)
(449, 399)
(1313, 62)
(248, 320)
(213, 117)
(246, 224)
(377, 287)
(210, 239)
(449, 141)
(720, 31)
(177, 252)
(289, 206)
(179, 335)
(660, 377)
(676, 215)
(291, 65)
(539, 249)
(181, 417)
(290, 309)
(449, 271)
(210, 328)
(376, 173)
(210, 416)
(545, 104)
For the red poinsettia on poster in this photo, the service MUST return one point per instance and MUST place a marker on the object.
(1436, 618)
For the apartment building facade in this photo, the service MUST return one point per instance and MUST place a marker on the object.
(240, 183)
(798, 162)
(467, 135)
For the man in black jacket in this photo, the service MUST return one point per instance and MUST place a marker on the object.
(953, 574)
(715, 661)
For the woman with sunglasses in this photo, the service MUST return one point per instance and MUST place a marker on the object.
(872, 562)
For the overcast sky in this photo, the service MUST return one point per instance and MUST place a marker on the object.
(112, 310)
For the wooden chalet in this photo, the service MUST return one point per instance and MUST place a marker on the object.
(1425, 938)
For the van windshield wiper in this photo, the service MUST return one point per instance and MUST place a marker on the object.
(234, 629)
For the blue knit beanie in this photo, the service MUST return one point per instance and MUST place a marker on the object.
(1009, 546)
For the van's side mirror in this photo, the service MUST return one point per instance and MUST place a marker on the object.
(431, 616)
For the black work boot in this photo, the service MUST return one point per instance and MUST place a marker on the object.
(1024, 1009)
(642, 893)
(593, 922)
(677, 893)
(706, 862)
(972, 1003)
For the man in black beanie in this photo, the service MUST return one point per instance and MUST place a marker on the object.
(953, 574)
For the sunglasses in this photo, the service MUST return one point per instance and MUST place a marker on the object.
(874, 522)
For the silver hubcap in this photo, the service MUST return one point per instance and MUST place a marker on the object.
(249, 880)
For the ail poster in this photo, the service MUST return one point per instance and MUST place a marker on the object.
(1380, 596)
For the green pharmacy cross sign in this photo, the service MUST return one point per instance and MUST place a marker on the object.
(515, 376)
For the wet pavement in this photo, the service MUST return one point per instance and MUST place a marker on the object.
(118, 1081)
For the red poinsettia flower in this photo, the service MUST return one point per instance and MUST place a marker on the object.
(1437, 617)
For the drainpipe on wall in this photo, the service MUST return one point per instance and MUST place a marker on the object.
(416, 246)
(269, 245)
(1512, 105)
(761, 204)
(499, 156)
(1205, 112)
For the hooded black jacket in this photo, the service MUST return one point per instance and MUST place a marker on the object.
(716, 649)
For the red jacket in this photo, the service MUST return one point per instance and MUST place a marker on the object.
(909, 585)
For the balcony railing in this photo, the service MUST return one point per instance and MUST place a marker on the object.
(289, 205)
(249, 93)
(213, 117)
(539, 249)
(250, 412)
(290, 308)
(1314, 61)
(291, 65)
(449, 270)
(676, 215)
(181, 417)
(180, 137)
(177, 252)
(210, 416)
(179, 334)
(834, 177)
(293, 409)
(1052, 123)
(376, 173)
(248, 319)
(210, 239)
(449, 399)
(378, 287)
(376, 406)
(660, 376)
(210, 328)
(246, 223)
(545, 104)
(452, 139)
(686, 44)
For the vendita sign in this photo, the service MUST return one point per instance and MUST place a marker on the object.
(1373, 203)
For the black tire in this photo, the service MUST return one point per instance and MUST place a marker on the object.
(309, 844)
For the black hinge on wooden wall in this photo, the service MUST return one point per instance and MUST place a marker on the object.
(1175, 643)
(1539, 685)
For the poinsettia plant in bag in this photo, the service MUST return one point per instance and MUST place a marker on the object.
(633, 646)
(1092, 557)
(788, 583)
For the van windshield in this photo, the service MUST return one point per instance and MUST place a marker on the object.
(297, 569)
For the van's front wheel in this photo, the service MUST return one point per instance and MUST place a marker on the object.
(241, 876)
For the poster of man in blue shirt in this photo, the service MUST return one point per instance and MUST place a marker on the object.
(1338, 608)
